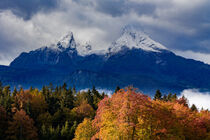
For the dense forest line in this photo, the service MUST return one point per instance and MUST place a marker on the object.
(61, 112)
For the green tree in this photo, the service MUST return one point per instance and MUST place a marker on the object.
(15, 92)
(6, 91)
(174, 97)
(54, 133)
(165, 98)
(158, 95)
(96, 97)
(65, 132)
(169, 97)
(194, 108)
(44, 133)
(117, 89)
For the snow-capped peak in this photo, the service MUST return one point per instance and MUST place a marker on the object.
(130, 38)
(67, 41)
(84, 49)
(134, 38)
(68, 44)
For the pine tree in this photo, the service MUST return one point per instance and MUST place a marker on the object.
(64, 87)
(31, 89)
(44, 133)
(51, 87)
(56, 90)
(1, 88)
(6, 91)
(174, 97)
(90, 98)
(65, 131)
(74, 90)
(73, 128)
(194, 108)
(158, 95)
(165, 98)
(96, 97)
(14, 92)
(54, 133)
(117, 89)
(169, 97)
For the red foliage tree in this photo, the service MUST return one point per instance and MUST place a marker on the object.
(22, 127)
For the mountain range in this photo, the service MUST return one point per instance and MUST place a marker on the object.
(133, 59)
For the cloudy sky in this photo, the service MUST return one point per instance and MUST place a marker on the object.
(181, 25)
(196, 97)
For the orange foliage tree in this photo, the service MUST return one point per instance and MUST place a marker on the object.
(132, 115)
(84, 110)
(117, 117)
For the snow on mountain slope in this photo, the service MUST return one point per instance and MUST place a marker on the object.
(130, 38)
(134, 38)
(68, 44)
(67, 41)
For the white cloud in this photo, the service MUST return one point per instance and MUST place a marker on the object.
(106, 91)
(195, 55)
(90, 24)
(18, 35)
(200, 99)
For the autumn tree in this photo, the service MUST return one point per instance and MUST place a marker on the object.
(22, 100)
(37, 102)
(84, 110)
(3, 122)
(85, 130)
(117, 117)
(182, 101)
(21, 127)
(159, 122)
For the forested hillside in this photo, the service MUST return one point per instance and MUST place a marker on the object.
(61, 112)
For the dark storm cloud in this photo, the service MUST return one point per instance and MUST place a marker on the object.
(112, 7)
(117, 8)
(180, 25)
(26, 8)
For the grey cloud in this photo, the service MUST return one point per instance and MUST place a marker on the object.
(120, 7)
(26, 8)
(112, 7)
(179, 25)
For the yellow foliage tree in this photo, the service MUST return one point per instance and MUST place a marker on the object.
(84, 131)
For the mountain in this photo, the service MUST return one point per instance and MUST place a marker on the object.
(133, 59)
